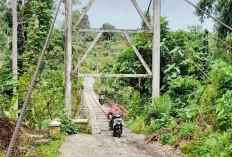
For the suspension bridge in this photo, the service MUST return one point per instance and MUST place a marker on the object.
(98, 122)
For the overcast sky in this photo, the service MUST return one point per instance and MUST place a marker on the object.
(122, 13)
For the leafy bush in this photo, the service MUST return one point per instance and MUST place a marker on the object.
(221, 77)
(47, 100)
(137, 125)
(217, 144)
(68, 127)
(123, 95)
(160, 124)
(181, 90)
(161, 106)
(46, 123)
(187, 113)
(139, 106)
(135, 107)
(224, 111)
(168, 139)
(186, 129)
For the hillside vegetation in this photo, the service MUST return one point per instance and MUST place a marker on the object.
(194, 111)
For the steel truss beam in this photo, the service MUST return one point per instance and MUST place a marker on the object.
(87, 52)
(125, 31)
(84, 13)
(134, 3)
(115, 75)
(141, 14)
(131, 43)
(138, 54)
(113, 31)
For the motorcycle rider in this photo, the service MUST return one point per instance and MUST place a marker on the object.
(115, 109)
(101, 97)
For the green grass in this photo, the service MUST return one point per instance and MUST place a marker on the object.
(52, 149)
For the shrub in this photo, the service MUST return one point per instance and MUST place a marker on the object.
(186, 129)
(224, 111)
(221, 77)
(181, 90)
(160, 124)
(123, 95)
(168, 139)
(137, 125)
(217, 144)
(68, 127)
(135, 108)
(161, 106)
(46, 123)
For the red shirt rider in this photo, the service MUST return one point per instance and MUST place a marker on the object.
(114, 110)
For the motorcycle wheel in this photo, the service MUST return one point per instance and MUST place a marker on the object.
(119, 131)
(119, 135)
(114, 130)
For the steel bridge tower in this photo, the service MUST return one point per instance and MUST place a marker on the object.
(155, 30)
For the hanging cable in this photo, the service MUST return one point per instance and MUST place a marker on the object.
(16, 133)
(209, 15)
(207, 76)
(203, 92)
(148, 9)
(222, 41)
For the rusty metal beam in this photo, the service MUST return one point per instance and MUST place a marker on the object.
(115, 75)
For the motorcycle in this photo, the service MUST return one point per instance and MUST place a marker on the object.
(117, 125)
(101, 101)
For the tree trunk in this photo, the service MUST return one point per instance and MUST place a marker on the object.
(14, 48)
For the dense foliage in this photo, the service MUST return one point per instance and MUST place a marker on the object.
(47, 101)
(193, 112)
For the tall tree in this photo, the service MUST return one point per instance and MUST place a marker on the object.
(106, 35)
(14, 47)
(222, 9)
(85, 23)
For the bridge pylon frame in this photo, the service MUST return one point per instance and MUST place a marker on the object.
(155, 30)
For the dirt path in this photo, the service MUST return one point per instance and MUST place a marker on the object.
(101, 143)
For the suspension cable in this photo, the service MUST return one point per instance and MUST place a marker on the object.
(225, 43)
(148, 9)
(16, 133)
(195, 64)
(203, 91)
(209, 15)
